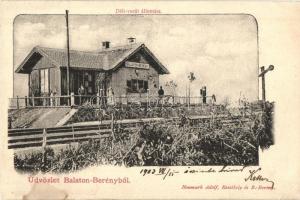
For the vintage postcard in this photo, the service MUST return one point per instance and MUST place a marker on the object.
(149, 100)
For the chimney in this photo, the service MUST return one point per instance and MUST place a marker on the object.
(105, 45)
(131, 40)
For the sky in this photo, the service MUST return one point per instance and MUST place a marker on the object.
(221, 50)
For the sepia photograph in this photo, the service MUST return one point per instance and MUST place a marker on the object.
(137, 90)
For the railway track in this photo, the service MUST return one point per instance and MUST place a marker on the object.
(39, 137)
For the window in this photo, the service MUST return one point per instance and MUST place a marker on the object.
(90, 90)
(90, 77)
(129, 85)
(140, 85)
(134, 85)
(137, 86)
(44, 81)
(88, 82)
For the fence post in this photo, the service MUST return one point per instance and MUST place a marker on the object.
(51, 100)
(112, 126)
(18, 102)
(80, 99)
(33, 104)
(102, 97)
(44, 147)
(25, 101)
(112, 132)
(44, 138)
(9, 122)
(173, 100)
(147, 98)
(44, 100)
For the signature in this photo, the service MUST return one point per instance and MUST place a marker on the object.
(226, 168)
(166, 172)
(254, 176)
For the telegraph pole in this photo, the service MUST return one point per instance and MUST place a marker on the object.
(263, 86)
(262, 75)
(68, 53)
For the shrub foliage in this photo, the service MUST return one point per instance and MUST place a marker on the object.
(230, 141)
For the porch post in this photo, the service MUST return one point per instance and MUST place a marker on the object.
(29, 89)
(33, 104)
(147, 98)
(98, 98)
(102, 100)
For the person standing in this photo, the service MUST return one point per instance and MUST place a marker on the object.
(203, 94)
(161, 94)
(80, 92)
(51, 98)
(111, 95)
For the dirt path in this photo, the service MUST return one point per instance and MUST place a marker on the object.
(37, 117)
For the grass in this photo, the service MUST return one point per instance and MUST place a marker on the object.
(230, 141)
(88, 113)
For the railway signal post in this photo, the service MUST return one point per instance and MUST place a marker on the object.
(262, 75)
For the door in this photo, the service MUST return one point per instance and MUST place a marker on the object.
(89, 83)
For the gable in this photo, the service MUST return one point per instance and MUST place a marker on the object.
(29, 62)
(141, 58)
(43, 63)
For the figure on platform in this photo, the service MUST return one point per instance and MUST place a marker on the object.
(161, 94)
(214, 100)
(80, 93)
(52, 98)
(203, 94)
(110, 93)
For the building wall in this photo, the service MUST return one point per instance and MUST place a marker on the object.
(116, 80)
(120, 77)
(34, 83)
(53, 77)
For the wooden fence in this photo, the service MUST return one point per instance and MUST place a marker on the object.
(39, 137)
(39, 102)
(77, 100)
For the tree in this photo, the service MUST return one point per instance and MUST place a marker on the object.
(191, 76)
(226, 102)
(172, 85)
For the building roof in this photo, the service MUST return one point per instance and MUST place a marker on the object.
(106, 59)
